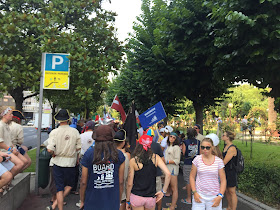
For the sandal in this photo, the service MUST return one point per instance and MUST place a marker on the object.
(183, 200)
(2, 190)
(169, 204)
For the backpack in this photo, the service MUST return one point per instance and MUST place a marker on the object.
(239, 165)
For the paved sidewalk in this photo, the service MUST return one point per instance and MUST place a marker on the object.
(33, 202)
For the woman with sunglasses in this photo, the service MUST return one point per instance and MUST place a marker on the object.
(229, 155)
(172, 158)
(204, 178)
(141, 183)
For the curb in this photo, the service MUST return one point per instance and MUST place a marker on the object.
(253, 203)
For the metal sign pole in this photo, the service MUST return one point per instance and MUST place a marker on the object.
(39, 125)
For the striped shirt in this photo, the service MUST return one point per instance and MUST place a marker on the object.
(207, 179)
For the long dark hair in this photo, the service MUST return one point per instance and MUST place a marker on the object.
(142, 155)
(191, 133)
(176, 142)
(104, 152)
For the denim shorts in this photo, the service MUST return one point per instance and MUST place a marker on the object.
(21, 151)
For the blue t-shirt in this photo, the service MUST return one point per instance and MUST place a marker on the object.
(103, 183)
(192, 150)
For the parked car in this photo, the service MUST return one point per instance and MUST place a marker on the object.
(30, 123)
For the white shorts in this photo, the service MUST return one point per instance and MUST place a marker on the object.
(5, 166)
(206, 203)
(8, 165)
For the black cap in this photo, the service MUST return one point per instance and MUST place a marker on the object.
(120, 135)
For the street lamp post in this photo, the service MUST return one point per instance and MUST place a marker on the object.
(230, 105)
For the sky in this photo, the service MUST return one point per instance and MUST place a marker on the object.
(127, 10)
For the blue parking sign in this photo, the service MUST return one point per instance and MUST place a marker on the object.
(57, 62)
(153, 115)
(56, 71)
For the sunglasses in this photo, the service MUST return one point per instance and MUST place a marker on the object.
(207, 147)
(174, 137)
(195, 128)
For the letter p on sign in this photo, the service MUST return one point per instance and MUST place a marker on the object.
(56, 60)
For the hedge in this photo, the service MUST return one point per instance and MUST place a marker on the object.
(261, 181)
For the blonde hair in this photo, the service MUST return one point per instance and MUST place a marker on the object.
(217, 152)
(230, 135)
(208, 140)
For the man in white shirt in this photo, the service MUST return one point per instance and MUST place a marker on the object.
(199, 136)
(63, 144)
(86, 137)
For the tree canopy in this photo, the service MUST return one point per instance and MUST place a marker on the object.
(81, 28)
(248, 41)
(171, 56)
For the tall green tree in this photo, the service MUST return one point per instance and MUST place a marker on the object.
(172, 52)
(141, 78)
(248, 41)
(184, 36)
(81, 28)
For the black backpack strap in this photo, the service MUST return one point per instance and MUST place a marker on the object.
(137, 163)
(230, 147)
(232, 164)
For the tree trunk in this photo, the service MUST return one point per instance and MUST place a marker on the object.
(87, 113)
(17, 94)
(53, 113)
(199, 115)
(165, 120)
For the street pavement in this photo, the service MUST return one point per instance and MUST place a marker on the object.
(33, 202)
(30, 136)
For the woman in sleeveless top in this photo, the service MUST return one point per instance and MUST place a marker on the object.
(229, 155)
(120, 141)
(141, 183)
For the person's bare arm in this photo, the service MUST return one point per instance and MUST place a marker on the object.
(129, 181)
(121, 179)
(3, 146)
(83, 185)
(230, 153)
(183, 149)
(222, 175)
(192, 183)
(162, 166)
(165, 170)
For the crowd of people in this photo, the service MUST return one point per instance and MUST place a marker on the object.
(95, 161)
(13, 155)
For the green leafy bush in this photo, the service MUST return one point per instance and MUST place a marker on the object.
(261, 181)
